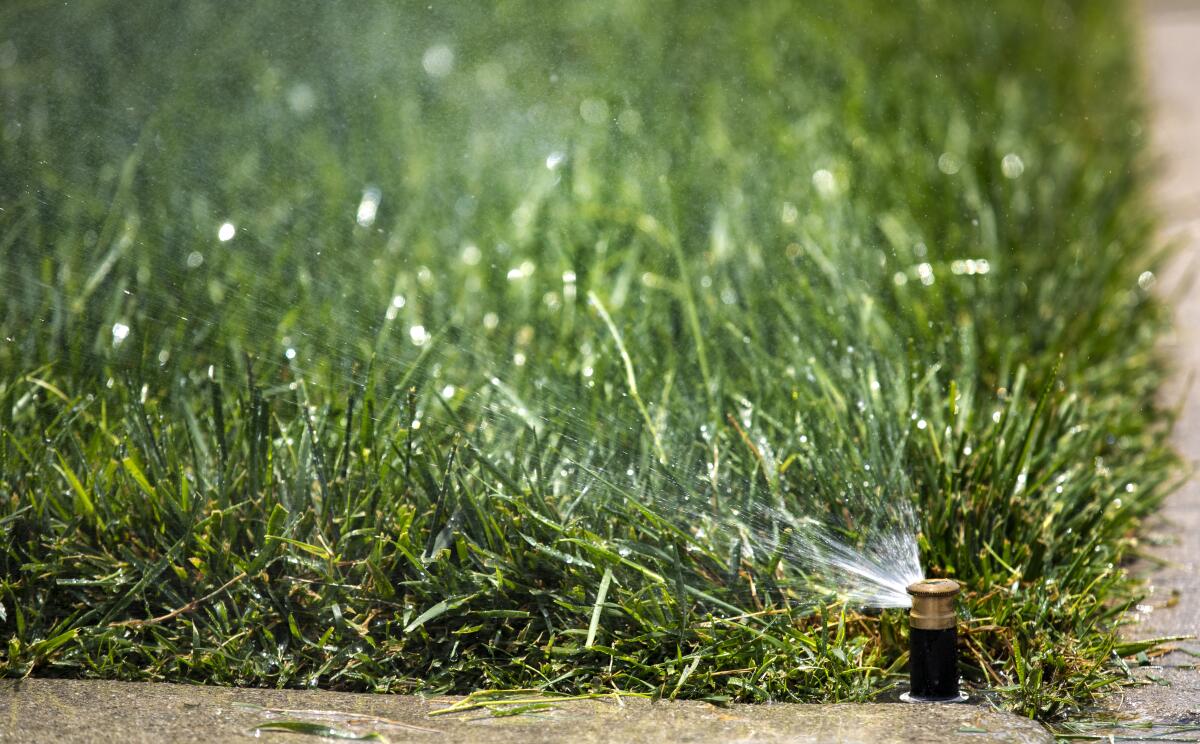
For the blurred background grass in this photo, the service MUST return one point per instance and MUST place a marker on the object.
(855, 257)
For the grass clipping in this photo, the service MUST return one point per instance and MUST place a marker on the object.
(405, 348)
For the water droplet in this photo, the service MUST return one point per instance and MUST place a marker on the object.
(438, 60)
(471, 254)
(368, 206)
(593, 110)
(949, 163)
(824, 182)
(789, 213)
(1012, 166)
(525, 269)
(301, 98)
(226, 232)
(120, 332)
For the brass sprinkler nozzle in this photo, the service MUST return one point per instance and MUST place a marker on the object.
(933, 604)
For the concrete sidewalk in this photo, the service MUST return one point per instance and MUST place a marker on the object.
(92, 711)
(1171, 42)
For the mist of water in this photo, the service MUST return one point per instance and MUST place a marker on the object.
(874, 575)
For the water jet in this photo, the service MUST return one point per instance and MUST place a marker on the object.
(933, 639)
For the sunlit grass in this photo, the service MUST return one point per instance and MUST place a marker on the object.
(402, 348)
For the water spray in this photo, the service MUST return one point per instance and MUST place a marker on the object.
(933, 638)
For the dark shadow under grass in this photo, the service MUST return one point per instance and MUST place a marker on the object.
(536, 330)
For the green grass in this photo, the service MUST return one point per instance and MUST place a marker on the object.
(782, 212)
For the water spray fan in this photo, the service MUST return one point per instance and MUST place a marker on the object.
(933, 641)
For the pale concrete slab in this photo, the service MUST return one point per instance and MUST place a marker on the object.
(106, 712)
(1171, 43)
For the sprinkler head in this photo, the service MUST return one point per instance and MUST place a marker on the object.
(933, 640)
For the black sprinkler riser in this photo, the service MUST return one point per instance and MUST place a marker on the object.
(933, 665)
(933, 643)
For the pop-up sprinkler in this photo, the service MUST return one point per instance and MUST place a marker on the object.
(932, 639)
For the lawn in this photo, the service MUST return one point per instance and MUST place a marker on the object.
(436, 347)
